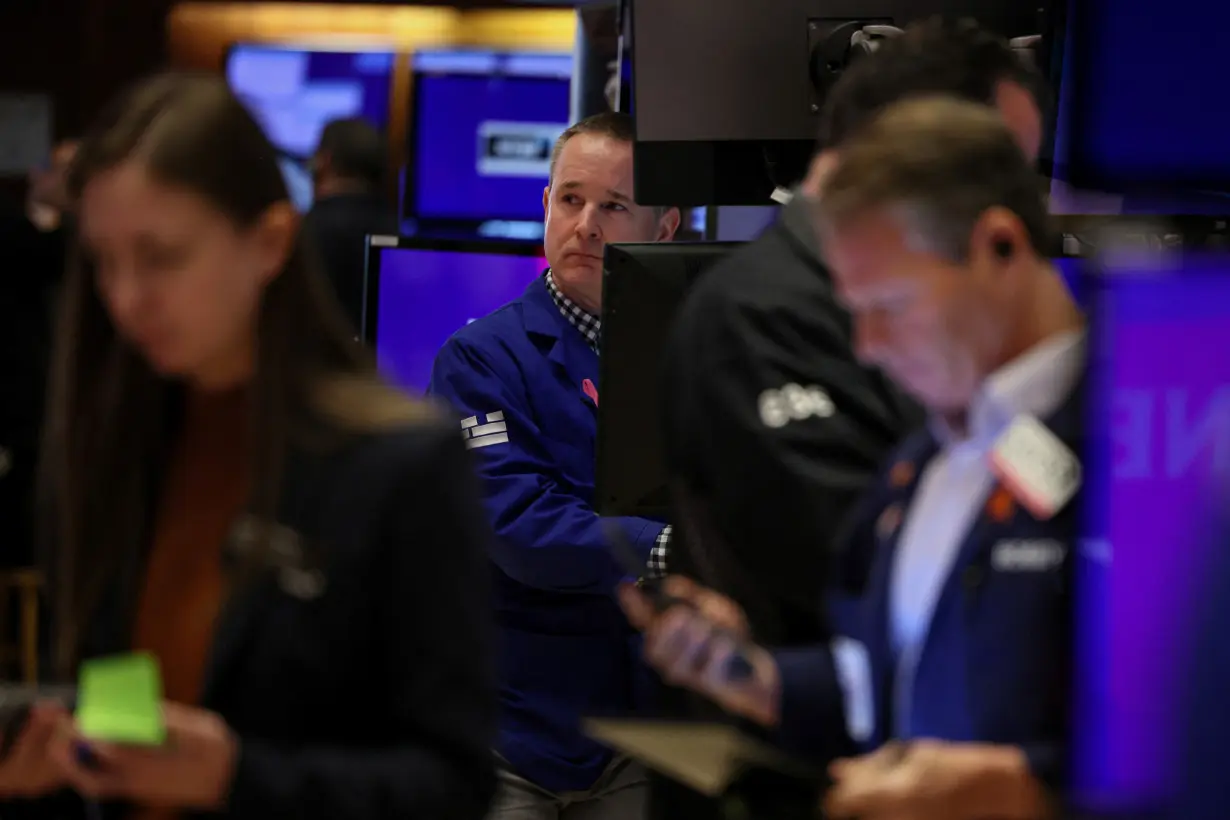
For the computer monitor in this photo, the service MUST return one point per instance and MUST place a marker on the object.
(1159, 452)
(294, 92)
(419, 292)
(484, 126)
(741, 113)
(1150, 127)
(642, 289)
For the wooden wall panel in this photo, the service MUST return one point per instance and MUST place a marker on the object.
(83, 52)
(199, 33)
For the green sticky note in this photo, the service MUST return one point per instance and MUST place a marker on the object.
(119, 700)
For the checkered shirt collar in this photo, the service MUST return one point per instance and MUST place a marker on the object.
(589, 325)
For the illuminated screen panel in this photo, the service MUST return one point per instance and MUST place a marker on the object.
(426, 296)
(1160, 440)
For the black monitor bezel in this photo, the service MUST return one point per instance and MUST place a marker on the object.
(608, 501)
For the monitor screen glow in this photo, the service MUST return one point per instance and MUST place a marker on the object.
(294, 93)
(1159, 445)
(428, 295)
(484, 127)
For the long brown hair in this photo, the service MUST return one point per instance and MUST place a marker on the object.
(110, 416)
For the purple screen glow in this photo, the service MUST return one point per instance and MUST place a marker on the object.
(294, 93)
(484, 129)
(426, 296)
(1160, 436)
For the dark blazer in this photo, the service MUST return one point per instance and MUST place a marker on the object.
(995, 666)
(366, 692)
(760, 320)
(339, 226)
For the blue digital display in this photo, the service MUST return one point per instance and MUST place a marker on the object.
(484, 127)
(294, 93)
(1142, 99)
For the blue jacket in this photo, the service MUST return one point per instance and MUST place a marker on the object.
(995, 665)
(566, 650)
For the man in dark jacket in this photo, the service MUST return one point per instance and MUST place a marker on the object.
(348, 173)
(774, 429)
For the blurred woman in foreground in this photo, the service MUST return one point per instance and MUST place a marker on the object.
(232, 488)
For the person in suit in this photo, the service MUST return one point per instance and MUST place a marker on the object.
(766, 317)
(229, 486)
(951, 669)
(525, 381)
(349, 203)
(761, 358)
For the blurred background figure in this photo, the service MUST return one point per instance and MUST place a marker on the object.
(349, 171)
(47, 202)
(34, 243)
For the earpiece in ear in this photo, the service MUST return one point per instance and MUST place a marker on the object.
(1004, 248)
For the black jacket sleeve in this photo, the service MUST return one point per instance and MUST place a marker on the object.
(434, 603)
(774, 428)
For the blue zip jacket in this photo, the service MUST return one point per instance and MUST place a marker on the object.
(518, 378)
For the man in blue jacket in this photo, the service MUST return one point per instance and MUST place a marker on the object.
(953, 666)
(525, 380)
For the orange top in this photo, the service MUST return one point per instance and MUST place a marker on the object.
(206, 489)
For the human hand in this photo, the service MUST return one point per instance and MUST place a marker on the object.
(192, 770)
(28, 769)
(934, 780)
(694, 642)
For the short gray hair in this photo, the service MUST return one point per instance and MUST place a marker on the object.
(939, 162)
(613, 125)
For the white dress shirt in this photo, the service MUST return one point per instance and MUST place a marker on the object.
(955, 485)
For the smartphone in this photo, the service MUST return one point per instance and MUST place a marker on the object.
(739, 669)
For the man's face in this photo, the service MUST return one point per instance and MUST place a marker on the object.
(933, 325)
(588, 204)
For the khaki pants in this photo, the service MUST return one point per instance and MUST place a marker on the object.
(620, 794)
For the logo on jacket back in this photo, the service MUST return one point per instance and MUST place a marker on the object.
(491, 430)
(794, 403)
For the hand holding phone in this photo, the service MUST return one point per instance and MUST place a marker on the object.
(720, 615)
(27, 768)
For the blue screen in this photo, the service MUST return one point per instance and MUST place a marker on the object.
(1159, 447)
(294, 93)
(484, 127)
(428, 295)
(1144, 101)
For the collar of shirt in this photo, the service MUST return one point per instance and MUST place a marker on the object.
(1034, 383)
(586, 323)
(796, 216)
